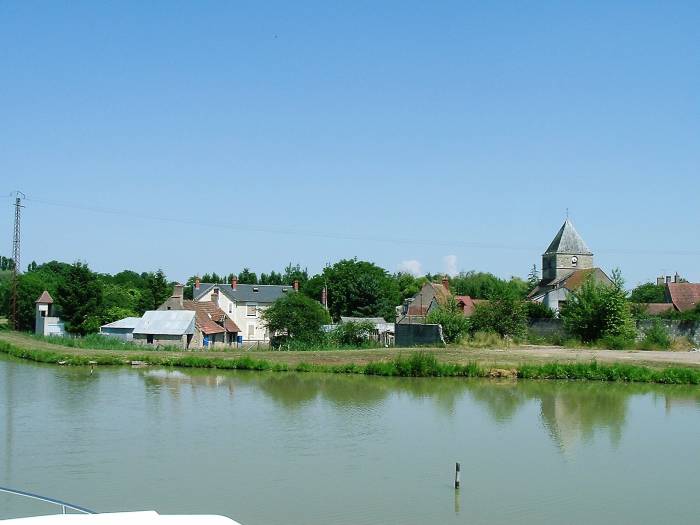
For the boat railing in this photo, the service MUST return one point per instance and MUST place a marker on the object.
(64, 505)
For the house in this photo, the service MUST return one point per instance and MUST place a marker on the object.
(165, 328)
(122, 329)
(429, 297)
(243, 303)
(566, 265)
(212, 326)
(45, 324)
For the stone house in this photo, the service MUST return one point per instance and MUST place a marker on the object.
(429, 297)
(243, 303)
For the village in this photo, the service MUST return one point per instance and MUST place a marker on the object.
(222, 315)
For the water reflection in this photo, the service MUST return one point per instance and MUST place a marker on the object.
(569, 411)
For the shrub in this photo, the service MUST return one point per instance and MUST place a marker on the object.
(451, 317)
(537, 310)
(356, 333)
(504, 314)
(296, 316)
(598, 311)
(656, 337)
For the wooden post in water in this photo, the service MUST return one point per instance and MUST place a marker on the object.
(457, 476)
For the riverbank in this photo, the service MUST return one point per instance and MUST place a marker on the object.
(520, 362)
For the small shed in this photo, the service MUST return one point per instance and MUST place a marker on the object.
(165, 328)
(122, 329)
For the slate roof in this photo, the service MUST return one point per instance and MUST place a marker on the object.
(208, 316)
(127, 322)
(568, 241)
(166, 322)
(45, 297)
(684, 296)
(253, 293)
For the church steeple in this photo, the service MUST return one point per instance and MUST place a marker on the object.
(566, 253)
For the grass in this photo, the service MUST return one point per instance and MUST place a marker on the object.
(417, 364)
(97, 341)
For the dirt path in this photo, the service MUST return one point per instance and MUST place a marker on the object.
(485, 356)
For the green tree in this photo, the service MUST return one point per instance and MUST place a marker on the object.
(504, 314)
(359, 289)
(355, 333)
(408, 285)
(451, 317)
(649, 293)
(533, 278)
(80, 297)
(297, 317)
(293, 272)
(598, 310)
(537, 310)
(155, 291)
(247, 277)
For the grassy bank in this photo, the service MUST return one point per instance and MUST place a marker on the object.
(415, 364)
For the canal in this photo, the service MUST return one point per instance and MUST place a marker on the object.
(310, 449)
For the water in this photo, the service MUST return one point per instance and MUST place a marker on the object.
(273, 448)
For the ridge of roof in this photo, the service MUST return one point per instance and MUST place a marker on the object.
(568, 241)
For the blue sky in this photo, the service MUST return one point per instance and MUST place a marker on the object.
(209, 136)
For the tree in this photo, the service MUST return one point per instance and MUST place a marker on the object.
(537, 310)
(504, 314)
(358, 289)
(649, 293)
(80, 297)
(451, 317)
(533, 278)
(247, 277)
(408, 285)
(481, 285)
(295, 316)
(355, 333)
(155, 291)
(293, 272)
(597, 310)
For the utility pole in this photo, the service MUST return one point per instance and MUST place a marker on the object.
(16, 258)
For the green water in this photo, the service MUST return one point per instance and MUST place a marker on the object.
(306, 449)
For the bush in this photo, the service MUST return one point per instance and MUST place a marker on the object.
(656, 337)
(451, 317)
(504, 314)
(295, 316)
(599, 311)
(537, 310)
(353, 333)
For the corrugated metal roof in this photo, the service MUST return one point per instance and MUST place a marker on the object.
(568, 241)
(166, 322)
(127, 322)
(249, 293)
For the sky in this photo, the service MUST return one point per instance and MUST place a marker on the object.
(422, 136)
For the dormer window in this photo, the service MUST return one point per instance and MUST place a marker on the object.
(256, 289)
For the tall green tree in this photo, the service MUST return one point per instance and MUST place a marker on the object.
(155, 292)
(649, 293)
(504, 314)
(247, 277)
(297, 317)
(533, 278)
(80, 297)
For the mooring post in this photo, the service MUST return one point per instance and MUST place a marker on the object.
(457, 475)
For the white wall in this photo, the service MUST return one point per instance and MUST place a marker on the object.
(237, 312)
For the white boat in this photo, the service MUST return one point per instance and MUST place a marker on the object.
(83, 516)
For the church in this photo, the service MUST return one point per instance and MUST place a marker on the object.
(566, 264)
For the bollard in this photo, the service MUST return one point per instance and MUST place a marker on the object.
(457, 476)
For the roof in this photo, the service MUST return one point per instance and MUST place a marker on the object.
(373, 320)
(568, 241)
(209, 318)
(45, 297)
(127, 322)
(255, 293)
(684, 296)
(166, 322)
(572, 281)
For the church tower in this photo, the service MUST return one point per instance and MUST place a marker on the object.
(566, 253)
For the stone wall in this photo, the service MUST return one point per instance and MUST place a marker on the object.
(675, 329)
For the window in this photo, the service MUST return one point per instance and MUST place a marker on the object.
(230, 307)
(251, 310)
(251, 331)
(149, 339)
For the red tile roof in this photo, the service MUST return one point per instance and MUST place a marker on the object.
(45, 297)
(657, 308)
(467, 304)
(209, 318)
(684, 296)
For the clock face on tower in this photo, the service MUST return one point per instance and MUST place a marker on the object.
(574, 260)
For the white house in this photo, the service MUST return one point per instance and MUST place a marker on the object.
(244, 303)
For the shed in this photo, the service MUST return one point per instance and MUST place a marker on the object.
(165, 328)
(121, 329)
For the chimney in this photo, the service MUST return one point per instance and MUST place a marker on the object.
(676, 278)
(668, 279)
(660, 281)
(178, 293)
(446, 283)
(215, 296)
(234, 282)
(196, 283)
(296, 285)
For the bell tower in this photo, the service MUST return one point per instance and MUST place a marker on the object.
(565, 254)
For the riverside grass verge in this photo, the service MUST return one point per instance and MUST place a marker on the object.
(418, 364)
